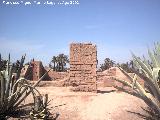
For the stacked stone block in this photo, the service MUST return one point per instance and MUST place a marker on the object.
(83, 64)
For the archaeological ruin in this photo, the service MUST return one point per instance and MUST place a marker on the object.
(82, 75)
(83, 66)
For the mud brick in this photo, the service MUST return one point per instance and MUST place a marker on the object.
(83, 64)
(86, 67)
(72, 74)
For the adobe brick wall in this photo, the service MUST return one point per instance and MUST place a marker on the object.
(37, 69)
(83, 65)
(26, 72)
(34, 71)
(54, 75)
(105, 78)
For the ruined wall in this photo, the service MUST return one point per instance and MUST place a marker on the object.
(83, 64)
(105, 78)
(26, 72)
(54, 75)
(35, 71)
(38, 70)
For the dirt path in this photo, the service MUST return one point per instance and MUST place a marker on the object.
(107, 105)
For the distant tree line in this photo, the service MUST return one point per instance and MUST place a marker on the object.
(108, 63)
(59, 64)
(128, 66)
(3, 64)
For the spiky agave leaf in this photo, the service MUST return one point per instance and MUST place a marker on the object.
(150, 73)
(40, 110)
(153, 59)
(155, 74)
(147, 70)
(14, 90)
(24, 97)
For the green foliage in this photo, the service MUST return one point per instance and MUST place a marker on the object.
(14, 89)
(15, 66)
(2, 63)
(59, 63)
(128, 66)
(108, 63)
(149, 71)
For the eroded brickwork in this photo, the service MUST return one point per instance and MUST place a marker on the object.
(54, 75)
(38, 70)
(83, 64)
(106, 78)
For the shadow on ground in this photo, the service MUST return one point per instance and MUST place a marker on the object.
(105, 91)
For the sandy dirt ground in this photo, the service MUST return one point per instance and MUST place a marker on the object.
(108, 104)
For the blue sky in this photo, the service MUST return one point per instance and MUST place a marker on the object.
(115, 26)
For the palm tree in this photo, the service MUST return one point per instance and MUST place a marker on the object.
(54, 60)
(59, 62)
(63, 60)
(107, 64)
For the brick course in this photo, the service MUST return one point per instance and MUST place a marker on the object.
(83, 65)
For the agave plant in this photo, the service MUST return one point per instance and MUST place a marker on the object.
(149, 71)
(40, 110)
(14, 89)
